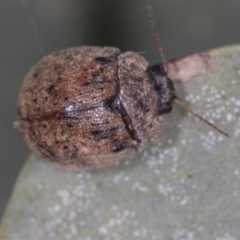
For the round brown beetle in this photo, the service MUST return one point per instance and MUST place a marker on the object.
(88, 107)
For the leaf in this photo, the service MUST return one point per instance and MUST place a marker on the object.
(183, 186)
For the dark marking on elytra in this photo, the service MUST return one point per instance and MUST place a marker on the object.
(123, 145)
(35, 100)
(86, 84)
(48, 151)
(41, 145)
(103, 134)
(69, 125)
(96, 132)
(111, 103)
(113, 128)
(103, 60)
(35, 75)
(51, 88)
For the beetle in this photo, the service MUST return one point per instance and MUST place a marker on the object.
(89, 107)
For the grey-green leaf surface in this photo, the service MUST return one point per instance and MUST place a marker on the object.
(183, 186)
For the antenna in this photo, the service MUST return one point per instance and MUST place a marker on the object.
(176, 99)
(182, 104)
(156, 36)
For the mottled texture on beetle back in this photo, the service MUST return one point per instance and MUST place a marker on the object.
(67, 112)
(138, 97)
(88, 107)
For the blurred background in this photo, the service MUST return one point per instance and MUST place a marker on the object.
(30, 29)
